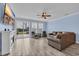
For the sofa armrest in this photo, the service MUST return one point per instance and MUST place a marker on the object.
(67, 39)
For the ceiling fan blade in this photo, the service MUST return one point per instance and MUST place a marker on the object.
(38, 15)
(48, 15)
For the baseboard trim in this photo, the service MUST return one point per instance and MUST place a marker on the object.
(77, 42)
(5, 54)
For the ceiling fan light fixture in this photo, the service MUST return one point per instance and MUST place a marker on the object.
(44, 15)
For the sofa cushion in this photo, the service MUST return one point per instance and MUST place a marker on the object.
(54, 33)
(54, 39)
(58, 36)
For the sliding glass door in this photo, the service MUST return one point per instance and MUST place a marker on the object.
(36, 27)
(27, 27)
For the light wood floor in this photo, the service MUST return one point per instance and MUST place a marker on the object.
(40, 47)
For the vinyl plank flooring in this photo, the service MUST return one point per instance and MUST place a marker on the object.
(40, 47)
(73, 50)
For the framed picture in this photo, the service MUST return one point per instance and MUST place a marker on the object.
(7, 17)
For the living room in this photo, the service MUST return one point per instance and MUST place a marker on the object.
(43, 29)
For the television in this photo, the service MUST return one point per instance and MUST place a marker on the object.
(8, 15)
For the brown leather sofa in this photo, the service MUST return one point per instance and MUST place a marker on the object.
(61, 40)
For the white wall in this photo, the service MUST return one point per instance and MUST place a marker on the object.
(5, 42)
(68, 23)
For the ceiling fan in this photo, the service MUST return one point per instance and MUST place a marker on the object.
(44, 15)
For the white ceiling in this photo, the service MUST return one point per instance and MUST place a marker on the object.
(31, 10)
